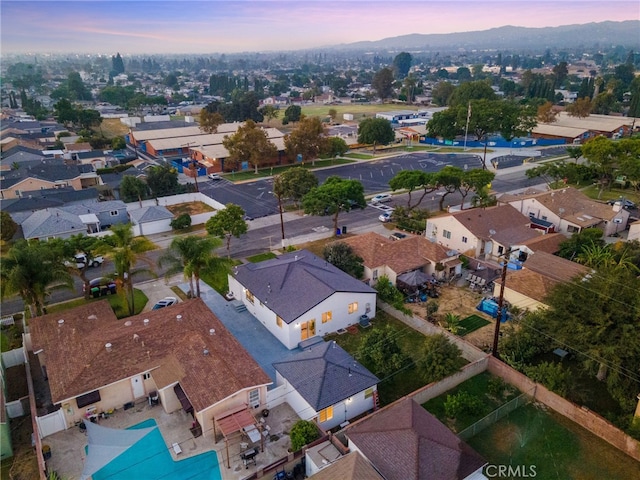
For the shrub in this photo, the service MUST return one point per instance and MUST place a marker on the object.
(462, 403)
(303, 432)
(440, 358)
(496, 386)
(552, 375)
(182, 222)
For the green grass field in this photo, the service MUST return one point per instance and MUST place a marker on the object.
(270, 171)
(557, 447)
(262, 257)
(472, 323)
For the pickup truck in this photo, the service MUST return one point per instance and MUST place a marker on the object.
(81, 261)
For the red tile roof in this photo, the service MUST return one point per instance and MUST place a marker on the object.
(208, 367)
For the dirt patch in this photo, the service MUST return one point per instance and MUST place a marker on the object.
(460, 301)
(23, 465)
(191, 208)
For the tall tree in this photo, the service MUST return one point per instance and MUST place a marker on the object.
(250, 143)
(292, 184)
(8, 227)
(478, 90)
(270, 112)
(581, 108)
(132, 189)
(441, 93)
(411, 180)
(474, 180)
(342, 256)
(306, 139)
(31, 270)
(117, 64)
(226, 223)
(293, 113)
(125, 251)
(383, 83)
(163, 180)
(375, 131)
(402, 64)
(602, 154)
(192, 255)
(546, 113)
(335, 147)
(333, 196)
(209, 121)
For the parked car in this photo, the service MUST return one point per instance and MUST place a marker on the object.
(81, 261)
(384, 217)
(381, 198)
(165, 302)
(626, 204)
(397, 236)
(214, 176)
(101, 283)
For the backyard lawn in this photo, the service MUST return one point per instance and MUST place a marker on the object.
(557, 447)
(471, 324)
(261, 257)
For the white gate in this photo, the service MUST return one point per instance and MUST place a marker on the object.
(51, 423)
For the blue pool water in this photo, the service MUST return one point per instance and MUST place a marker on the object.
(151, 458)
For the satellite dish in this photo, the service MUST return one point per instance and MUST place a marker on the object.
(492, 232)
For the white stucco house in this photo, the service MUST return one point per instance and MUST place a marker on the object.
(298, 295)
(327, 385)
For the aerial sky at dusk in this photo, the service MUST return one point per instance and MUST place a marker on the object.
(213, 26)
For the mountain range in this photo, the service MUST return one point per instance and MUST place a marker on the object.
(605, 34)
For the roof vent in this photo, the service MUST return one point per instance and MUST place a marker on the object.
(60, 322)
(108, 346)
(205, 352)
(127, 323)
(136, 337)
(179, 318)
(295, 257)
(146, 322)
(92, 317)
(212, 331)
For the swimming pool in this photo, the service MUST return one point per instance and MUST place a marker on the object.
(150, 458)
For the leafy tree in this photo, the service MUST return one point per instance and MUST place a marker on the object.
(65, 112)
(474, 180)
(634, 105)
(270, 112)
(133, 189)
(333, 113)
(581, 108)
(192, 255)
(303, 433)
(462, 403)
(560, 73)
(209, 121)
(226, 223)
(375, 131)
(551, 375)
(546, 113)
(335, 147)
(163, 180)
(8, 227)
(292, 114)
(380, 352)
(574, 152)
(579, 242)
(383, 83)
(441, 93)
(76, 88)
(307, 139)
(117, 64)
(409, 88)
(31, 270)
(334, 195)
(604, 103)
(342, 256)
(402, 64)
(118, 143)
(88, 118)
(439, 358)
(250, 143)
(411, 180)
(465, 93)
(125, 251)
(602, 154)
(444, 124)
(449, 179)
(181, 222)
(463, 74)
(389, 293)
(292, 184)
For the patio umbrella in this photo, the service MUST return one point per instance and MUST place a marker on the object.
(105, 444)
(413, 279)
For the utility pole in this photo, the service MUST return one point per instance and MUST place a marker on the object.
(503, 280)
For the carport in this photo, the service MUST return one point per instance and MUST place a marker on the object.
(239, 420)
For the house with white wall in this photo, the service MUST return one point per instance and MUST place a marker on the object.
(298, 295)
(483, 233)
(183, 355)
(327, 385)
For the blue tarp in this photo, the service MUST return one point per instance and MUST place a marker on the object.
(490, 307)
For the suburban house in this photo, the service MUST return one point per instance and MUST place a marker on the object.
(182, 356)
(569, 210)
(327, 385)
(484, 233)
(151, 219)
(382, 256)
(105, 214)
(299, 295)
(405, 442)
(528, 287)
(634, 231)
(46, 174)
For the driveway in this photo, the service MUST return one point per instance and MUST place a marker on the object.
(158, 288)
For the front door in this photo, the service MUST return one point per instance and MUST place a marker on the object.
(137, 386)
(307, 329)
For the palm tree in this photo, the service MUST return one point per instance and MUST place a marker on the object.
(125, 250)
(31, 270)
(596, 256)
(191, 255)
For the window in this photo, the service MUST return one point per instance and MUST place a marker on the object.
(113, 213)
(326, 414)
(464, 239)
(500, 250)
(446, 234)
(368, 392)
(307, 329)
(279, 321)
(249, 296)
(353, 307)
(572, 229)
(254, 398)
(89, 398)
(19, 193)
(326, 317)
(146, 376)
(375, 274)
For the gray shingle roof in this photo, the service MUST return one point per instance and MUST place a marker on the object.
(149, 214)
(325, 374)
(294, 283)
(54, 221)
(95, 207)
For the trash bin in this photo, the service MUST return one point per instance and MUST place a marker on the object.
(46, 452)
(95, 291)
(337, 231)
(344, 229)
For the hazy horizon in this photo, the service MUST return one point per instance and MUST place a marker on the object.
(206, 27)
